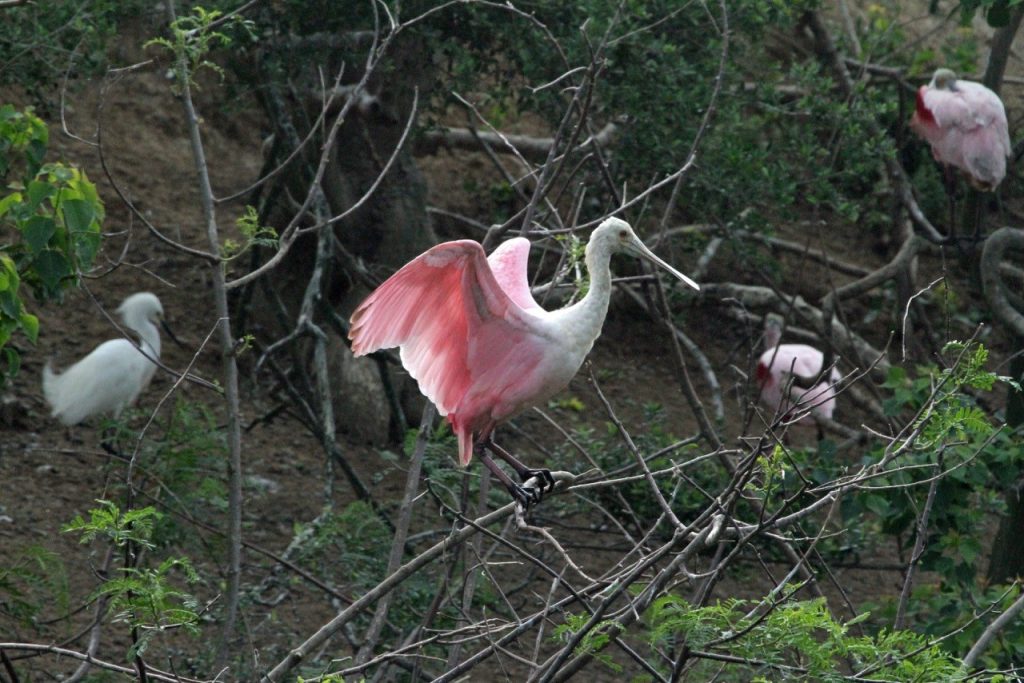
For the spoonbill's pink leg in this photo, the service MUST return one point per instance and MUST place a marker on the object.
(543, 476)
(524, 495)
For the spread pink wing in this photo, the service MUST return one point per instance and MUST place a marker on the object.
(445, 310)
(508, 263)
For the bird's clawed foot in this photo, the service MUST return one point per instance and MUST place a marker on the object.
(526, 496)
(544, 481)
(535, 484)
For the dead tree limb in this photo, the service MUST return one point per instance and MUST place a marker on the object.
(993, 255)
(535, 149)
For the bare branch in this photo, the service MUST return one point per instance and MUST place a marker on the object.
(990, 632)
(993, 255)
(526, 146)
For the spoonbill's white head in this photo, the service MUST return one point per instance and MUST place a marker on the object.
(615, 236)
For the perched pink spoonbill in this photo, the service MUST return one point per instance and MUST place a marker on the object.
(965, 123)
(113, 375)
(482, 349)
(793, 367)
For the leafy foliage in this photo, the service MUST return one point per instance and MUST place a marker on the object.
(145, 600)
(954, 435)
(192, 39)
(49, 221)
(141, 597)
(594, 641)
(39, 44)
(35, 579)
(253, 234)
(795, 640)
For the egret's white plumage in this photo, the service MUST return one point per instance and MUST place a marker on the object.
(113, 375)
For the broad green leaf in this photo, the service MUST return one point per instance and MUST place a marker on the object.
(10, 200)
(37, 231)
(39, 190)
(7, 263)
(30, 324)
(86, 246)
(52, 267)
(61, 173)
(10, 304)
(35, 152)
(78, 215)
(86, 190)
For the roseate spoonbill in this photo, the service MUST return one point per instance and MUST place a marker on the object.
(113, 375)
(793, 366)
(481, 348)
(965, 123)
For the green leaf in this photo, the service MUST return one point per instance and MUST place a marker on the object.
(62, 173)
(30, 324)
(998, 14)
(38, 191)
(86, 246)
(37, 231)
(52, 267)
(13, 361)
(10, 304)
(10, 200)
(78, 215)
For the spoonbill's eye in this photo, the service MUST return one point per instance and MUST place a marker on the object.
(623, 234)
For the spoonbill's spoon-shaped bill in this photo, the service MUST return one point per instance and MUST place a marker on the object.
(113, 375)
(480, 346)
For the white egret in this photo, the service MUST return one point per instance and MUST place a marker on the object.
(113, 375)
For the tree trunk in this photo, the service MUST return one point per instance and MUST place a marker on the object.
(388, 228)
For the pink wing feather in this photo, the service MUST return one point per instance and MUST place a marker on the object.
(508, 263)
(966, 128)
(803, 360)
(455, 325)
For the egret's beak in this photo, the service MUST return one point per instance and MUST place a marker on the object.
(637, 248)
(167, 329)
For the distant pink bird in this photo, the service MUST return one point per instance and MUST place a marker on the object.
(965, 123)
(481, 348)
(783, 365)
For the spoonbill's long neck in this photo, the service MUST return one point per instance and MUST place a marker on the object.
(589, 313)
